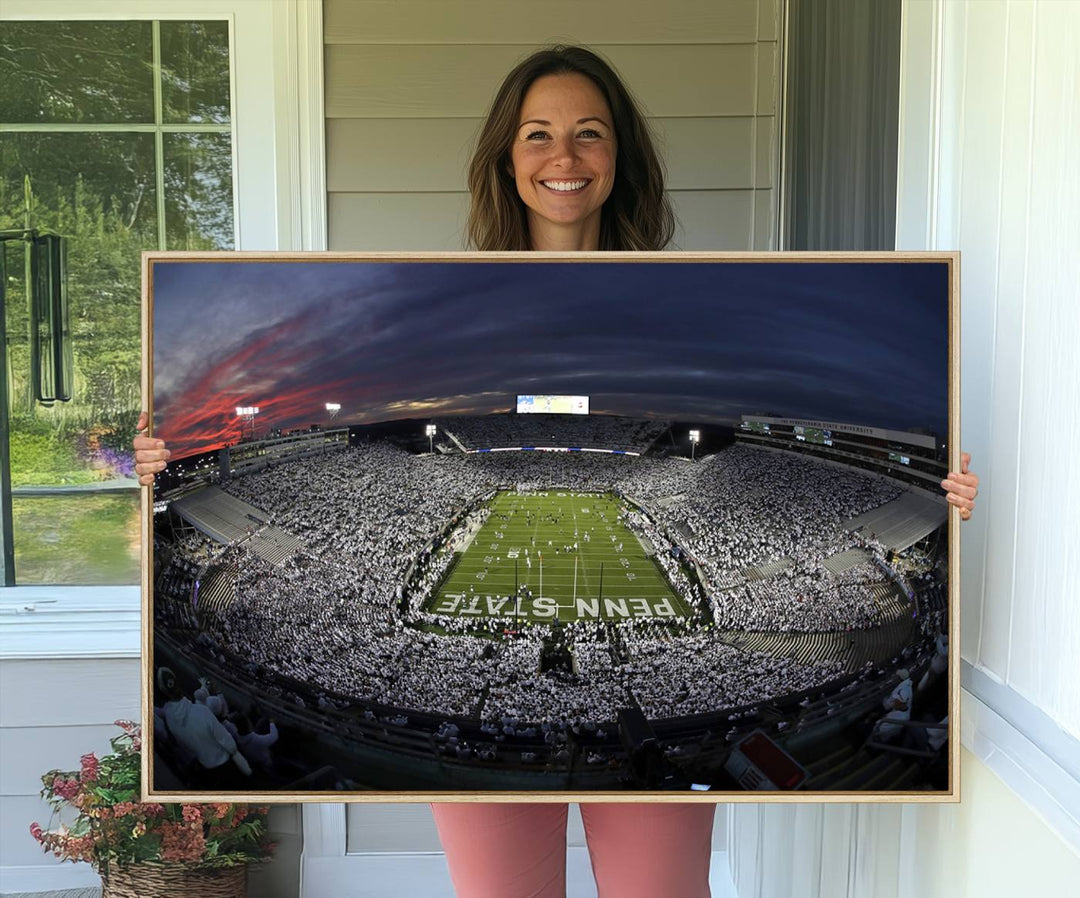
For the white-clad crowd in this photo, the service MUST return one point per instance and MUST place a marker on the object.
(707, 673)
(342, 614)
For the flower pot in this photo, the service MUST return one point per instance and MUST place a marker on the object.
(174, 881)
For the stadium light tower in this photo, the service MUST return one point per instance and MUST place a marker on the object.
(430, 430)
(248, 413)
(333, 408)
(695, 438)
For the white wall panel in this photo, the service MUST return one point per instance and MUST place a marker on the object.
(52, 713)
(1003, 187)
(1045, 631)
(417, 222)
(27, 752)
(713, 219)
(769, 12)
(808, 831)
(68, 693)
(991, 845)
(379, 154)
(979, 156)
(459, 80)
(1013, 215)
(767, 90)
(765, 151)
(17, 846)
(393, 826)
(814, 850)
(432, 154)
(766, 221)
(522, 22)
(836, 847)
(707, 153)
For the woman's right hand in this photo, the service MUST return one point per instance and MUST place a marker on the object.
(150, 453)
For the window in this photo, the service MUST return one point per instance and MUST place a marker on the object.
(279, 184)
(118, 136)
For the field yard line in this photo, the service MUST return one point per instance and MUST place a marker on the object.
(573, 596)
(584, 568)
(527, 583)
(577, 554)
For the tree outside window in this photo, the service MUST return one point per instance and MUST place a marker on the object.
(117, 136)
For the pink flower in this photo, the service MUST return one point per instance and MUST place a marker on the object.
(89, 768)
(65, 788)
(181, 842)
(192, 814)
(36, 831)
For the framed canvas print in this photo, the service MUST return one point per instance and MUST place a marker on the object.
(551, 527)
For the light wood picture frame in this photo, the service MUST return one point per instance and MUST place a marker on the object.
(725, 466)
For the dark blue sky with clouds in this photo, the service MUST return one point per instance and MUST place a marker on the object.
(862, 343)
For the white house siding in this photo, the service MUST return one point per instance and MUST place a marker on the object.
(53, 711)
(992, 845)
(408, 83)
(1010, 202)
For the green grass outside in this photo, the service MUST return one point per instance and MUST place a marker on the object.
(77, 539)
(539, 527)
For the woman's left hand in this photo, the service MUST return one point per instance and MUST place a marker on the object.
(962, 487)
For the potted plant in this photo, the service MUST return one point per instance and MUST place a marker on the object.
(145, 848)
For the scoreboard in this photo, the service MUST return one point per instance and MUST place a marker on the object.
(812, 435)
(553, 405)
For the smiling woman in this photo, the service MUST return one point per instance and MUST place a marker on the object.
(563, 116)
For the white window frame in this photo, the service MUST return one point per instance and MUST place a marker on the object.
(276, 53)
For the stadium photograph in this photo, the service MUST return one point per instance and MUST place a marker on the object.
(471, 523)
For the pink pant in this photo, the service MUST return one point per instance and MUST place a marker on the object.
(644, 850)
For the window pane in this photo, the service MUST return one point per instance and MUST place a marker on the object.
(76, 72)
(195, 71)
(103, 179)
(79, 540)
(198, 192)
(98, 191)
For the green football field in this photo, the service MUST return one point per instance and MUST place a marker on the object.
(529, 540)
